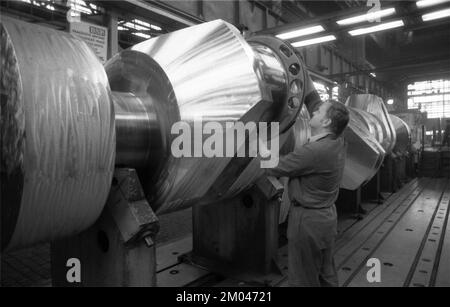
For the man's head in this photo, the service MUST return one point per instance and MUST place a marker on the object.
(332, 116)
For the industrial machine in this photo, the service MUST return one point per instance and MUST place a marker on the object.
(392, 144)
(86, 150)
(402, 152)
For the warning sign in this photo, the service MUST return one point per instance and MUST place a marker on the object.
(95, 37)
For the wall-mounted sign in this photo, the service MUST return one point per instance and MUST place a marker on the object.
(95, 37)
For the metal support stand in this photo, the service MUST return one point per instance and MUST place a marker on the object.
(388, 175)
(118, 250)
(371, 191)
(238, 238)
(350, 201)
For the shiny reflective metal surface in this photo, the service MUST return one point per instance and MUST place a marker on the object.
(272, 50)
(301, 128)
(273, 72)
(368, 120)
(364, 153)
(212, 73)
(215, 76)
(374, 105)
(57, 134)
(61, 122)
(403, 133)
(145, 109)
(133, 130)
(59, 143)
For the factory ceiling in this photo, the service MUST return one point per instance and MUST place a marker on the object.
(416, 50)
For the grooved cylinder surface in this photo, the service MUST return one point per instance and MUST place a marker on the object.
(57, 134)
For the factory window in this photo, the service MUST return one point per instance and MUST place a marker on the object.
(335, 93)
(325, 90)
(322, 90)
(432, 97)
(84, 7)
(78, 6)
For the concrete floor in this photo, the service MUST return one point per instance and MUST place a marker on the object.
(31, 267)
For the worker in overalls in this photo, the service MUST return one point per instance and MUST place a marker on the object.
(315, 172)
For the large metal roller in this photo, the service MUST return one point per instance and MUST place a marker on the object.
(403, 132)
(374, 105)
(364, 153)
(370, 136)
(61, 138)
(63, 130)
(215, 76)
(57, 134)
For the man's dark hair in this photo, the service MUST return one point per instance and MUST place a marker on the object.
(338, 114)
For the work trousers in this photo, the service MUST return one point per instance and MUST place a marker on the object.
(311, 239)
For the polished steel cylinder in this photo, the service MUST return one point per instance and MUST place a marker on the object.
(369, 121)
(403, 132)
(214, 77)
(301, 128)
(364, 151)
(57, 134)
(64, 130)
(274, 74)
(371, 134)
(374, 105)
(134, 127)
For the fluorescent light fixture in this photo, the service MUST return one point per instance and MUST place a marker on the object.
(155, 28)
(316, 40)
(120, 28)
(366, 17)
(373, 74)
(134, 26)
(425, 3)
(141, 34)
(380, 27)
(436, 15)
(142, 23)
(390, 101)
(301, 32)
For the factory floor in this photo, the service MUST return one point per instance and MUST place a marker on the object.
(407, 236)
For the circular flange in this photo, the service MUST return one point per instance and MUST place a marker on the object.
(296, 78)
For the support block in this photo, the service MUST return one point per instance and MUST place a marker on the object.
(118, 250)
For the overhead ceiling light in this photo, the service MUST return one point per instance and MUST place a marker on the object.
(142, 23)
(135, 26)
(301, 32)
(436, 15)
(380, 27)
(312, 41)
(425, 3)
(155, 28)
(141, 34)
(366, 17)
(373, 74)
(390, 101)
